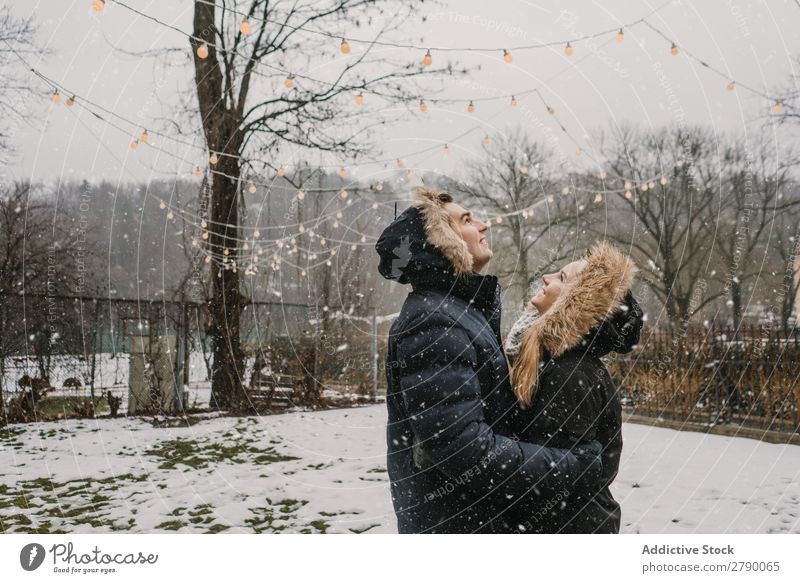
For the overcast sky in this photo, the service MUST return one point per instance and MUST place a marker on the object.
(603, 84)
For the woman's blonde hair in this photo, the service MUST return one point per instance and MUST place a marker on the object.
(596, 293)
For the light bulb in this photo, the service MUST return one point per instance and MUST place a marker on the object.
(344, 47)
(628, 194)
(663, 181)
(568, 50)
(360, 99)
(513, 101)
(343, 194)
(374, 205)
(551, 110)
(598, 198)
(203, 223)
(470, 107)
(339, 214)
(507, 56)
(342, 172)
(422, 106)
(162, 205)
(674, 49)
(144, 137)
(379, 186)
(730, 86)
(301, 195)
(428, 59)
(498, 220)
(98, 5)
(446, 149)
(56, 96)
(256, 233)
(252, 189)
(628, 185)
(70, 101)
(281, 171)
(523, 169)
(134, 144)
(486, 140)
(197, 171)
(620, 36)
(202, 51)
(578, 151)
(776, 108)
(289, 81)
(170, 215)
(400, 163)
(213, 159)
(244, 27)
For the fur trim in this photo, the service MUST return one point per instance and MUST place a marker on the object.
(439, 229)
(596, 294)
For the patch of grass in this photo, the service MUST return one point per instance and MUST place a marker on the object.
(215, 528)
(196, 455)
(363, 530)
(320, 525)
(172, 525)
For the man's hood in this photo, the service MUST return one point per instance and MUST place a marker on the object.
(422, 238)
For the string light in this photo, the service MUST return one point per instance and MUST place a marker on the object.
(674, 49)
(98, 5)
(134, 144)
(400, 163)
(202, 51)
(281, 171)
(203, 224)
(446, 150)
(162, 205)
(427, 60)
(244, 27)
(513, 101)
(360, 99)
(422, 106)
(213, 159)
(289, 81)
(344, 47)
(523, 169)
(70, 101)
(301, 195)
(663, 181)
(565, 190)
(256, 233)
(598, 198)
(343, 194)
(470, 107)
(197, 170)
(776, 108)
(252, 189)
(486, 140)
(578, 151)
(620, 36)
(551, 110)
(342, 172)
(568, 50)
(628, 194)
(170, 215)
(730, 86)
(379, 186)
(507, 56)
(56, 96)
(144, 137)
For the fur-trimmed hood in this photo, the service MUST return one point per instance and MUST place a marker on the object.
(590, 304)
(422, 238)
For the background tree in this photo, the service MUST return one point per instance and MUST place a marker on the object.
(253, 97)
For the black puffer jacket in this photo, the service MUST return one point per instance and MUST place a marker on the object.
(576, 400)
(448, 396)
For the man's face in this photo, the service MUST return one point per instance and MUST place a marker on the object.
(473, 232)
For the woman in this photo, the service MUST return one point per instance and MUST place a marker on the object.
(565, 393)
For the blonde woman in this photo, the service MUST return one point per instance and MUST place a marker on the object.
(565, 394)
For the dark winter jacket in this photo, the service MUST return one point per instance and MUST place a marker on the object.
(449, 460)
(576, 398)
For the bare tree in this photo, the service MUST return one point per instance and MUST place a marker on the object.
(755, 179)
(665, 223)
(516, 177)
(16, 36)
(253, 98)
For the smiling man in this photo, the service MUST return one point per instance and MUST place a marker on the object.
(450, 460)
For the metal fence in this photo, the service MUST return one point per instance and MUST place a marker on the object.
(748, 377)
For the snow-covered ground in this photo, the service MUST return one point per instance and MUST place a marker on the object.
(326, 472)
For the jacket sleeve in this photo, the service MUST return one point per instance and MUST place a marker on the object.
(442, 397)
(567, 406)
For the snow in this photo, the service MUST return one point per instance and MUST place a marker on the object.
(325, 471)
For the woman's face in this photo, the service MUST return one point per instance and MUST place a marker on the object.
(554, 284)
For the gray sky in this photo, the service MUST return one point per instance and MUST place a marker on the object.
(638, 80)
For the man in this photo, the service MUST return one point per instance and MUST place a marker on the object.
(450, 462)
